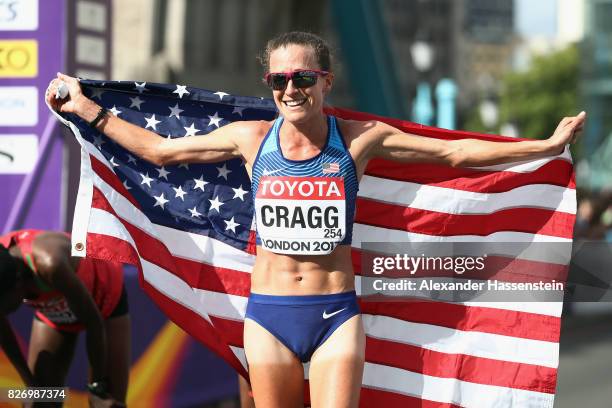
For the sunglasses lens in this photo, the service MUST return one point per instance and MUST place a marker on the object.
(300, 79)
(304, 79)
(277, 81)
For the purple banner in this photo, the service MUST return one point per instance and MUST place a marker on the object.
(31, 52)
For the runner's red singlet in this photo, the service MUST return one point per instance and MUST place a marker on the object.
(103, 280)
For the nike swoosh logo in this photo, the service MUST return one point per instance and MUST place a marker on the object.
(8, 156)
(268, 172)
(327, 316)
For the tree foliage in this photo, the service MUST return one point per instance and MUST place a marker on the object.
(537, 99)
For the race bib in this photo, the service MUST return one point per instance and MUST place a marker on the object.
(56, 310)
(300, 215)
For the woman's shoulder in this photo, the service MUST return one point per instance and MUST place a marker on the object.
(353, 129)
(248, 135)
(251, 127)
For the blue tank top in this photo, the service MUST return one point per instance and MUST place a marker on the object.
(304, 207)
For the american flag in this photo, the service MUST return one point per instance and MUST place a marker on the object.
(331, 168)
(188, 229)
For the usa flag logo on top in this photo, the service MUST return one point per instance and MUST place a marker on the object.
(331, 167)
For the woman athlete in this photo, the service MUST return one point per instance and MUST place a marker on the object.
(305, 167)
(69, 295)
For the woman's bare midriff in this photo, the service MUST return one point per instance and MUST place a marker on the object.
(290, 275)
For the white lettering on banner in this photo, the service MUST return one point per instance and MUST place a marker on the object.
(301, 215)
(305, 188)
(18, 153)
(16, 15)
(18, 106)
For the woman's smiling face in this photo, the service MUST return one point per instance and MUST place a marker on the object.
(299, 105)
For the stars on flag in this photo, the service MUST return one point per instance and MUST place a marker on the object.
(223, 171)
(162, 173)
(179, 193)
(175, 111)
(214, 120)
(231, 225)
(181, 90)
(146, 179)
(136, 102)
(98, 141)
(152, 122)
(200, 183)
(191, 130)
(190, 196)
(140, 87)
(221, 94)
(194, 212)
(239, 193)
(160, 201)
(215, 204)
(97, 93)
(114, 110)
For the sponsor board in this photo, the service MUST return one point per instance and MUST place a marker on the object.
(18, 153)
(18, 106)
(18, 15)
(18, 58)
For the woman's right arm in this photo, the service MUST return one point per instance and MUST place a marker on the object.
(223, 145)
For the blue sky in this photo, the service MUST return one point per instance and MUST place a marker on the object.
(535, 17)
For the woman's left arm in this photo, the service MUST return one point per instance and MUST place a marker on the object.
(392, 145)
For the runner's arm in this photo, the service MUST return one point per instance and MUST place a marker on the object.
(55, 266)
(216, 146)
(388, 143)
(13, 352)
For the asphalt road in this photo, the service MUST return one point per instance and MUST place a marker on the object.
(585, 366)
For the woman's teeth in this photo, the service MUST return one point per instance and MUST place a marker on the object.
(295, 102)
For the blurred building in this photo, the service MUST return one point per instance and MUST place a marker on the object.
(570, 21)
(214, 43)
(206, 43)
(485, 44)
(472, 42)
(569, 27)
(597, 89)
